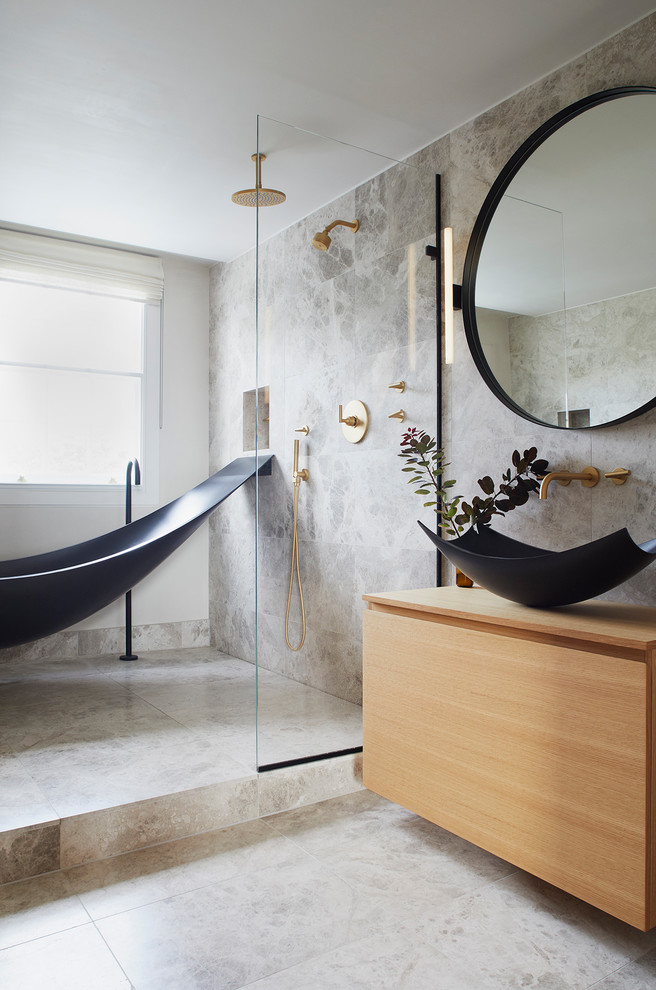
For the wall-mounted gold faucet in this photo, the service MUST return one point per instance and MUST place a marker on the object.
(588, 477)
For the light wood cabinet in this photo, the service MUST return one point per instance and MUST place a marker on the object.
(527, 732)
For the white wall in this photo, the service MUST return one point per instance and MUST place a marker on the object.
(178, 589)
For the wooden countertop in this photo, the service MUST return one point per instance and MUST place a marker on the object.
(631, 627)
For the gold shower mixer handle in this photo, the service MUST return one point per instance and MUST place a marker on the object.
(302, 429)
(618, 476)
(400, 415)
(348, 420)
(356, 421)
(399, 386)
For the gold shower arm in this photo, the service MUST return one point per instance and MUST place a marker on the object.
(343, 223)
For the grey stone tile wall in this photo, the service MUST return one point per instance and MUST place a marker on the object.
(339, 325)
(334, 326)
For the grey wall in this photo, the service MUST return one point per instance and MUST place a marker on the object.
(480, 433)
(335, 327)
(601, 354)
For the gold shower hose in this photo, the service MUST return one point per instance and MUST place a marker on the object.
(298, 477)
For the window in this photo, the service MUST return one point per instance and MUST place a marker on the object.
(79, 372)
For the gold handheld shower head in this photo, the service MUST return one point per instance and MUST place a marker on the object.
(258, 196)
(321, 240)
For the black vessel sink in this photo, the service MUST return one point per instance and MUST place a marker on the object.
(545, 578)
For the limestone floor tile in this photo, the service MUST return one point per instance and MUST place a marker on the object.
(73, 960)
(555, 910)
(111, 886)
(389, 962)
(637, 975)
(520, 932)
(95, 710)
(50, 669)
(233, 933)
(40, 906)
(22, 802)
(157, 668)
(381, 850)
(458, 950)
(80, 735)
(107, 775)
(206, 699)
(337, 818)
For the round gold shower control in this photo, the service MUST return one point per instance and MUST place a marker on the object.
(354, 417)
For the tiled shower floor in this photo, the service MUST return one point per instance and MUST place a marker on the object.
(78, 735)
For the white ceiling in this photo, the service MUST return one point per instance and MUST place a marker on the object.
(133, 121)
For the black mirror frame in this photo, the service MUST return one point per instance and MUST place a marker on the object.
(480, 229)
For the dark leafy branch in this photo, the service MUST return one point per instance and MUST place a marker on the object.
(425, 463)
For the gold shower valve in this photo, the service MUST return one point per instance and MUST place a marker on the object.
(399, 386)
(400, 415)
(354, 418)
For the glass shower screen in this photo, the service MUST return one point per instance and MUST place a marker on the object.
(345, 306)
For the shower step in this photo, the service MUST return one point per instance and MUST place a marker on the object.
(42, 847)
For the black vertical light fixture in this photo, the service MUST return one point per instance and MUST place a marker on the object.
(129, 655)
(448, 298)
(434, 251)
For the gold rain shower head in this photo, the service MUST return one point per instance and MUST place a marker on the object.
(321, 240)
(258, 196)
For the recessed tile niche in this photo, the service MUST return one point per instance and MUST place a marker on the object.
(256, 418)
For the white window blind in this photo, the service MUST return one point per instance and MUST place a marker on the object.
(73, 265)
(79, 370)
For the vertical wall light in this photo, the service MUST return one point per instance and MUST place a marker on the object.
(449, 331)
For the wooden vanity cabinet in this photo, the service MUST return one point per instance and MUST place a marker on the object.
(526, 731)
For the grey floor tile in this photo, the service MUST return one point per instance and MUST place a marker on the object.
(522, 932)
(383, 963)
(79, 735)
(383, 850)
(22, 801)
(74, 960)
(233, 933)
(40, 906)
(638, 975)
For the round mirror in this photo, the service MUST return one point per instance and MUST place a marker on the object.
(559, 285)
